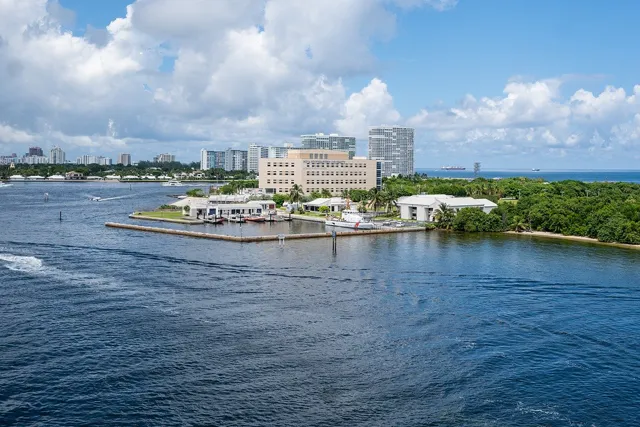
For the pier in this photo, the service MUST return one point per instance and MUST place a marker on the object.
(255, 239)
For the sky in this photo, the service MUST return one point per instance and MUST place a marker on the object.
(510, 84)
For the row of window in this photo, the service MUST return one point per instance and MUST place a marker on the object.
(349, 181)
(280, 181)
(338, 173)
(331, 164)
(334, 164)
(280, 173)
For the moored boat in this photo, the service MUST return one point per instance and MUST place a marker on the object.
(351, 218)
(215, 221)
(255, 218)
(235, 218)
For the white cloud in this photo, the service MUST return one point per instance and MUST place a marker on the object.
(372, 105)
(534, 115)
(263, 71)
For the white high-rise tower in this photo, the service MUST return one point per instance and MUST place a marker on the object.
(392, 146)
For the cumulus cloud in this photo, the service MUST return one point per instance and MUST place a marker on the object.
(225, 73)
(533, 116)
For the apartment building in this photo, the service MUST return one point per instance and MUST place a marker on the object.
(124, 159)
(235, 160)
(164, 158)
(315, 170)
(57, 156)
(393, 147)
(332, 141)
(255, 153)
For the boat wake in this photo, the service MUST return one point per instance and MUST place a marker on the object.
(104, 199)
(27, 264)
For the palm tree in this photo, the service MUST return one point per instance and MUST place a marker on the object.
(345, 194)
(376, 198)
(388, 200)
(444, 216)
(325, 193)
(295, 193)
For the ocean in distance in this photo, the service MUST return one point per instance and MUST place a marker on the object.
(114, 327)
(547, 175)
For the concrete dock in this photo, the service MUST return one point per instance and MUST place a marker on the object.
(254, 239)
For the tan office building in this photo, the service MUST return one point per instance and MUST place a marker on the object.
(315, 170)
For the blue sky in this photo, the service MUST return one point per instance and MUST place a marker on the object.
(561, 56)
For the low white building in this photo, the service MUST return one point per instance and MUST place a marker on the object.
(335, 204)
(221, 199)
(199, 207)
(424, 207)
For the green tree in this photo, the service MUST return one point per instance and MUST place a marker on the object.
(324, 209)
(195, 192)
(444, 216)
(325, 193)
(376, 198)
(295, 193)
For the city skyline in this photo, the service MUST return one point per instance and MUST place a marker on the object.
(532, 98)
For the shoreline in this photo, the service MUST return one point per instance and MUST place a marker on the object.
(582, 239)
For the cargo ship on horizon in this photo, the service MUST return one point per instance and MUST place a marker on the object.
(453, 168)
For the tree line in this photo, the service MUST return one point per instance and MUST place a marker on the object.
(141, 169)
(607, 211)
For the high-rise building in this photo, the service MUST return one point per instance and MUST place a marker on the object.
(212, 159)
(278, 152)
(316, 170)
(330, 142)
(57, 156)
(105, 161)
(35, 151)
(124, 159)
(88, 159)
(7, 160)
(392, 146)
(235, 160)
(255, 153)
(164, 158)
(35, 160)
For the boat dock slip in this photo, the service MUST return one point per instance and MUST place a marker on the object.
(252, 239)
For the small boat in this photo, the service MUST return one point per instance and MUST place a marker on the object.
(172, 183)
(255, 218)
(96, 199)
(4, 184)
(237, 219)
(351, 218)
(215, 221)
(535, 170)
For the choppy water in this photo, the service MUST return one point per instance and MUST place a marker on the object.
(111, 327)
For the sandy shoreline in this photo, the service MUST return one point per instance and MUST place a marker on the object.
(548, 235)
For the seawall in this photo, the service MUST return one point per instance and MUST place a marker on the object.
(254, 239)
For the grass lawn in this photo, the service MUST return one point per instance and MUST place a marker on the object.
(163, 214)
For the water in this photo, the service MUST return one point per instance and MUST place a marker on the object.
(113, 327)
(548, 175)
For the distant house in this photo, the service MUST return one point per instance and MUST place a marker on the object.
(335, 204)
(424, 207)
(74, 175)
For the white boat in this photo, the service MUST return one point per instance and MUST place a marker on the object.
(351, 218)
(96, 199)
(172, 183)
(4, 184)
